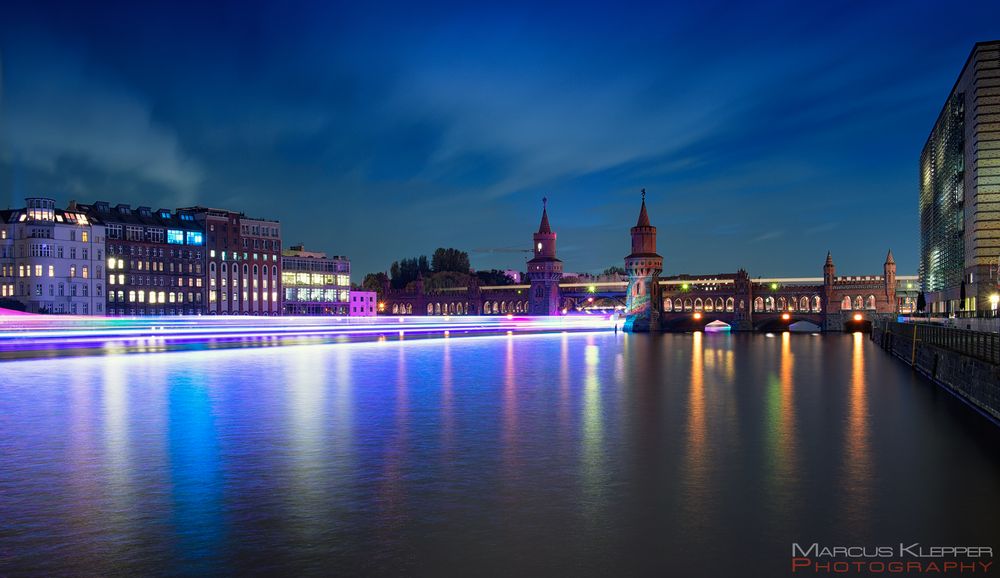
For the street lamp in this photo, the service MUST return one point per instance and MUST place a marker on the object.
(785, 316)
(994, 300)
(857, 317)
(697, 315)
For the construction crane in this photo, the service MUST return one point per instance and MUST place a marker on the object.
(501, 250)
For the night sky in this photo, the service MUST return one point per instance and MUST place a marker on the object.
(764, 135)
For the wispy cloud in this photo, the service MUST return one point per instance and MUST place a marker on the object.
(70, 111)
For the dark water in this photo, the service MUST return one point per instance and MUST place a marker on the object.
(578, 454)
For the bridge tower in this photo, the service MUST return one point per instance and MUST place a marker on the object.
(743, 306)
(831, 322)
(889, 272)
(829, 276)
(643, 301)
(544, 270)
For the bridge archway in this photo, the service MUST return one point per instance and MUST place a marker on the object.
(775, 324)
(684, 323)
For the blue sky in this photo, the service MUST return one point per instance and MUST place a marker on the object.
(764, 134)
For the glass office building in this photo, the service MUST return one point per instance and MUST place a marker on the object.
(960, 190)
(315, 284)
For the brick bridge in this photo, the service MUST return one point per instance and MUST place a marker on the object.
(678, 303)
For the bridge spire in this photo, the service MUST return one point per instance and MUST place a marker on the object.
(544, 226)
(888, 258)
(643, 216)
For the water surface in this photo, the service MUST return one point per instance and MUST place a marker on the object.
(573, 454)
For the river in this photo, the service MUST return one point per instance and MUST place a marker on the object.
(586, 454)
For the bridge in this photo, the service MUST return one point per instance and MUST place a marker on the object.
(675, 303)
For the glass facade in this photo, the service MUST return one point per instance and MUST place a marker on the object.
(960, 190)
(314, 284)
(942, 167)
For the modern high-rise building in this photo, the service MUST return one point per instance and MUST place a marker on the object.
(51, 260)
(315, 284)
(960, 190)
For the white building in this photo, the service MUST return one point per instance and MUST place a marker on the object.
(52, 260)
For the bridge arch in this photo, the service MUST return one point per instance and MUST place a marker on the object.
(729, 304)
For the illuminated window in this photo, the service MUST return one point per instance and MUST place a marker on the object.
(52, 271)
(195, 238)
(84, 236)
(175, 237)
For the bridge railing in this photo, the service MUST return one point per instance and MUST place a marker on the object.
(977, 344)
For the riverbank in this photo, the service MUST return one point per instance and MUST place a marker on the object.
(964, 362)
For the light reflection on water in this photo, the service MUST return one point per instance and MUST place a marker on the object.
(590, 454)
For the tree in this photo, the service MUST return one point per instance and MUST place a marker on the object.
(450, 260)
(374, 282)
(406, 271)
(921, 302)
(614, 270)
(446, 280)
(493, 277)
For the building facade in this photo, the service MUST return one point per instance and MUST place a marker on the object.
(154, 261)
(314, 284)
(960, 190)
(242, 260)
(364, 304)
(51, 260)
